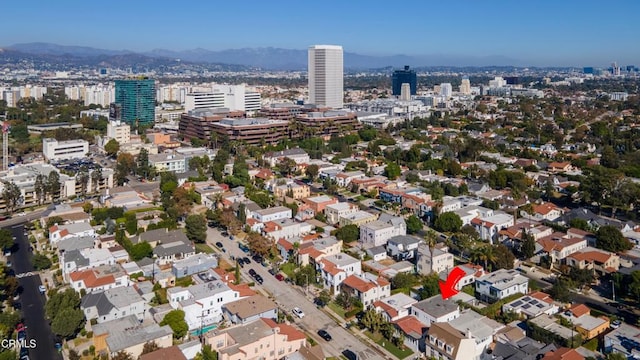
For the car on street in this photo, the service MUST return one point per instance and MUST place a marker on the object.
(259, 279)
(257, 258)
(272, 272)
(279, 277)
(324, 334)
(246, 260)
(252, 272)
(224, 233)
(298, 312)
(22, 335)
(243, 247)
(219, 244)
(42, 289)
(24, 352)
(9, 263)
(615, 324)
(350, 355)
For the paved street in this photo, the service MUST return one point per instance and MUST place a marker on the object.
(31, 300)
(289, 296)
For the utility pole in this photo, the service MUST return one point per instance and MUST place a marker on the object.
(613, 291)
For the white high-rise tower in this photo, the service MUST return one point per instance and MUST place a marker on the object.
(326, 75)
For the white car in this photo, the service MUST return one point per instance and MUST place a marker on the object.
(42, 289)
(299, 313)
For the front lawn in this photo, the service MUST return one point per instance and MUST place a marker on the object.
(289, 269)
(204, 248)
(388, 345)
(336, 309)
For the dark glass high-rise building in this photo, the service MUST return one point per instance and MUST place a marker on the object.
(404, 76)
(136, 99)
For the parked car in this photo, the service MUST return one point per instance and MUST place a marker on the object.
(298, 312)
(42, 289)
(279, 277)
(259, 279)
(252, 272)
(219, 244)
(246, 260)
(615, 324)
(324, 334)
(224, 233)
(350, 355)
(243, 247)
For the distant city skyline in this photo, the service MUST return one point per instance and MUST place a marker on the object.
(538, 33)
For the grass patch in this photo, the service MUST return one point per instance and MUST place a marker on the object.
(592, 344)
(469, 289)
(162, 296)
(204, 248)
(336, 309)
(79, 341)
(184, 281)
(388, 345)
(288, 268)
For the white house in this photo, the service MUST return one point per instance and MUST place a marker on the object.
(59, 232)
(334, 269)
(378, 232)
(403, 247)
(334, 212)
(113, 304)
(345, 178)
(501, 284)
(394, 307)
(532, 305)
(78, 260)
(298, 155)
(435, 260)
(272, 214)
(477, 327)
(202, 303)
(488, 227)
(435, 310)
(471, 273)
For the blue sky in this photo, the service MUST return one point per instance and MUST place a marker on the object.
(562, 32)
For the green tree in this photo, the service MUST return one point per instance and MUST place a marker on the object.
(41, 262)
(348, 233)
(403, 281)
(142, 163)
(40, 188)
(346, 300)
(140, 251)
(59, 300)
(448, 222)
(196, 227)
(611, 239)
(11, 195)
(312, 171)
(578, 223)
(634, 285)
(561, 290)
(528, 246)
(149, 347)
(122, 355)
(392, 171)
(581, 277)
(287, 166)
(502, 256)
(112, 147)
(67, 322)
(207, 354)
(430, 287)
(414, 224)
(324, 297)
(130, 222)
(6, 239)
(175, 319)
(73, 355)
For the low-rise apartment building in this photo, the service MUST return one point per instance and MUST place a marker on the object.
(334, 269)
(54, 150)
(367, 287)
(333, 212)
(501, 284)
(377, 233)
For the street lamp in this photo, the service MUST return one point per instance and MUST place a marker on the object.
(613, 290)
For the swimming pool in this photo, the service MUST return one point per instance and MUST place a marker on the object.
(205, 330)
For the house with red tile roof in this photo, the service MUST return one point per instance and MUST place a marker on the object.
(587, 325)
(394, 307)
(544, 211)
(367, 287)
(99, 278)
(558, 245)
(563, 354)
(413, 330)
(314, 250)
(557, 167)
(334, 269)
(602, 261)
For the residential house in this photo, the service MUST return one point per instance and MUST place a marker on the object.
(292, 190)
(377, 253)
(334, 269)
(61, 232)
(314, 251)
(318, 203)
(377, 233)
(127, 334)
(357, 218)
(161, 236)
(78, 260)
(168, 353)
(601, 261)
(468, 213)
(99, 278)
(471, 273)
(113, 304)
(563, 354)
(433, 260)
(489, 227)
(272, 214)
(77, 243)
(558, 246)
(262, 339)
(445, 342)
(299, 156)
(435, 310)
(394, 307)
(501, 284)
(544, 211)
(414, 332)
(588, 326)
(250, 309)
(419, 204)
(403, 247)
(623, 340)
(194, 264)
(367, 287)
(532, 305)
(202, 303)
(558, 167)
(285, 229)
(343, 179)
(478, 327)
(392, 193)
(334, 212)
(167, 253)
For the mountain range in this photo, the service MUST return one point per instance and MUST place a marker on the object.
(268, 58)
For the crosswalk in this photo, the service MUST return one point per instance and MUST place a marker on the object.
(26, 274)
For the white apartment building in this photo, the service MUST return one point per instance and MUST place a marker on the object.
(168, 162)
(272, 214)
(378, 232)
(239, 97)
(204, 100)
(54, 150)
(435, 310)
(446, 90)
(488, 227)
(202, 303)
(119, 131)
(334, 212)
(500, 284)
(326, 75)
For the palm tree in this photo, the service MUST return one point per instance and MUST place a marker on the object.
(489, 256)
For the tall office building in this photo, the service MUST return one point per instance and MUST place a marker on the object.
(446, 90)
(465, 86)
(405, 76)
(137, 100)
(405, 92)
(326, 76)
